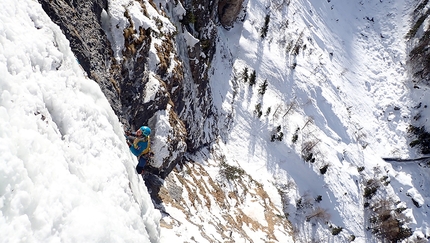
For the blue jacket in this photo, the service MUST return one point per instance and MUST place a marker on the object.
(138, 147)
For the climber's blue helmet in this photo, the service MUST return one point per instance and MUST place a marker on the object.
(145, 130)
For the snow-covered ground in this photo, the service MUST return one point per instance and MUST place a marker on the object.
(344, 93)
(337, 88)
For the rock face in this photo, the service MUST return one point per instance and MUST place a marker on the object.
(125, 82)
(198, 112)
(180, 102)
(178, 81)
(228, 10)
(183, 80)
(80, 23)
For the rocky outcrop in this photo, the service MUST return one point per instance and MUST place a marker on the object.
(198, 112)
(228, 11)
(125, 82)
(80, 23)
(179, 81)
(193, 193)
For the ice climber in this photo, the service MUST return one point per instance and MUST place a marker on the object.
(139, 144)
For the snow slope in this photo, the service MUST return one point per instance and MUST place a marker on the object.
(65, 174)
(337, 79)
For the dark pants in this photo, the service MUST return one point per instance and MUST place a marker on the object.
(141, 164)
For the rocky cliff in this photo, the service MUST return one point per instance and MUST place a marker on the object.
(151, 72)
